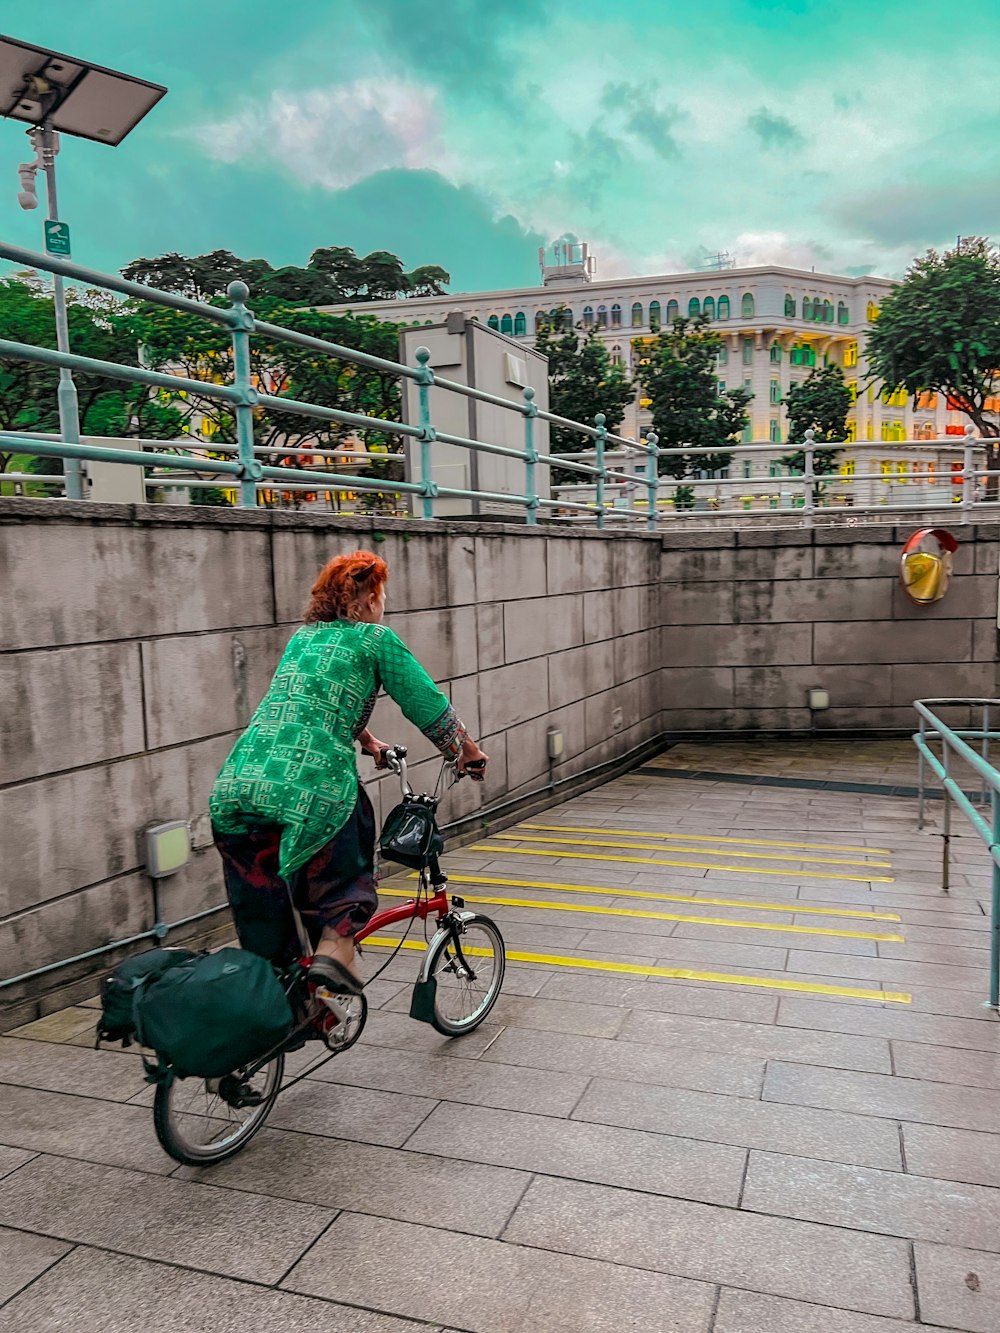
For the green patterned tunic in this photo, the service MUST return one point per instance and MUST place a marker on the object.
(295, 763)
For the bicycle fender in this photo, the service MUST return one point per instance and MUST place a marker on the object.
(443, 932)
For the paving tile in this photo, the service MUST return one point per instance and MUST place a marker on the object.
(900, 1024)
(782, 940)
(705, 1071)
(409, 1186)
(748, 1312)
(952, 1154)
(60, 1026)
(475, 1082)
(82, 1127)
(664, 996)
(92, 1290)
(343, 1112)
(765, 1041)
(975, 1069)
(385, 1028)
(902, 975)
(958, 1287)
(918, 1100)
(155, 1218)
(34, 1064)
(629, 1158)
(24, 1257)
(547, 1015)
(672, 952)
(884, 1202)
(10, 1158)
(487, 1286)
(830, 1135)
(784, 1257)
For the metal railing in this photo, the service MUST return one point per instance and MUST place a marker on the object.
(249, 475)
(955, 747)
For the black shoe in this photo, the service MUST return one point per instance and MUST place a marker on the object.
(335, 976)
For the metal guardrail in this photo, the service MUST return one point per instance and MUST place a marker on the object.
(249, 473)
(954, 743)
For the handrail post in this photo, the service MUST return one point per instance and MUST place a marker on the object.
(968, 474)
(530, 455)
(652, 477)
(995, 906)
(921, 772)
(809, 478)
(252, 468)
(599, 443)
(427, 434)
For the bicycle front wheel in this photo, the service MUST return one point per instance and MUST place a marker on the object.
(468, 972)
(201, 1121)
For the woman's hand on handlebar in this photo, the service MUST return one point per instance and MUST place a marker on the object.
(472, 761)
(373, 747)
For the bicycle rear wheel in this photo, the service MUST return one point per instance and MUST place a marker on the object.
(200, 1121)
(467, 975)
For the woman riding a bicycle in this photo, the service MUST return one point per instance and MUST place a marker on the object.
(289, 815)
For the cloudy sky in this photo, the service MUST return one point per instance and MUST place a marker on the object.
(847, 135)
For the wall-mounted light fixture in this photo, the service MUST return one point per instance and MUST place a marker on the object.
(554, 744)
(818, 700)
(168, 848)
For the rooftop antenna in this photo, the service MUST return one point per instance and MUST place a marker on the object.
(722, 260)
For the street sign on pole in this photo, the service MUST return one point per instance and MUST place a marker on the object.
(57, 238)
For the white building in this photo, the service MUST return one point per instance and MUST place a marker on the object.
(777, 323)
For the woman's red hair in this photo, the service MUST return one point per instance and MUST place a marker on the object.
(345, 586)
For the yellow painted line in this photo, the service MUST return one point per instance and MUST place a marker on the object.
(795, 908)
(662, 916)
(680, 973)
(688, 865)
(707, 851)
(706, 837)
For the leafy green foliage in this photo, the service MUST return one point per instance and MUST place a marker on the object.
(583, 381)
(821, 403)
(939, 330)
(678, 371)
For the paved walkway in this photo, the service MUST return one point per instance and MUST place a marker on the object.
(741, 1080)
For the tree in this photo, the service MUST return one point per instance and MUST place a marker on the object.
(583, 381)
(819, 403)
(428, 280)
(679, 375)
(939, 332)
(201, 277)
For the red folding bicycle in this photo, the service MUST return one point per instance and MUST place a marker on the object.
(203, 1121)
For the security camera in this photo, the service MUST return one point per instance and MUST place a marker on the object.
(27, 197)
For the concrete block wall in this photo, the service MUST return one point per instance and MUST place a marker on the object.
(753, 619)
(135, 643)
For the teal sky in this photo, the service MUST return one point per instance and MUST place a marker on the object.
(848, 135)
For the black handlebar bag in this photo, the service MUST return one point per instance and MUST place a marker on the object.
(410, 835)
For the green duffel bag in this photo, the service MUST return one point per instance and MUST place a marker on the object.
(213, 1014)
(121, 988)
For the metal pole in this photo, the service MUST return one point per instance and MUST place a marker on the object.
(530, 459)
(809, 479)
(252, 468)
(995, 908)
(652, 478)
(946, 841)
(599, 443)
(920, 773)
(427, 435)
(69, 405)
(968, 475)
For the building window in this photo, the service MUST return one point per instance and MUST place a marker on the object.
(852, 389)
(654, 315)
(720, 388)
(747, 306)
(637, 315)
(723, 357)
(871, 312)
(494, 323)
(851, 354)
(775, 430)
(847, 469)
(673, 311)
(616, 316)
(694, 307)
(588, 316)
(776, 353)
(708, 307)
(775, 391)
(774, 469)
(807, 307)
(898, 398)
(723, 311)
(506, 324)
(520, 325)
(827, 315)
(843, 314)
(616, 355)
(539, 320)
(602, 316)
(747, 351)
(789, 306)
(747, 468)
